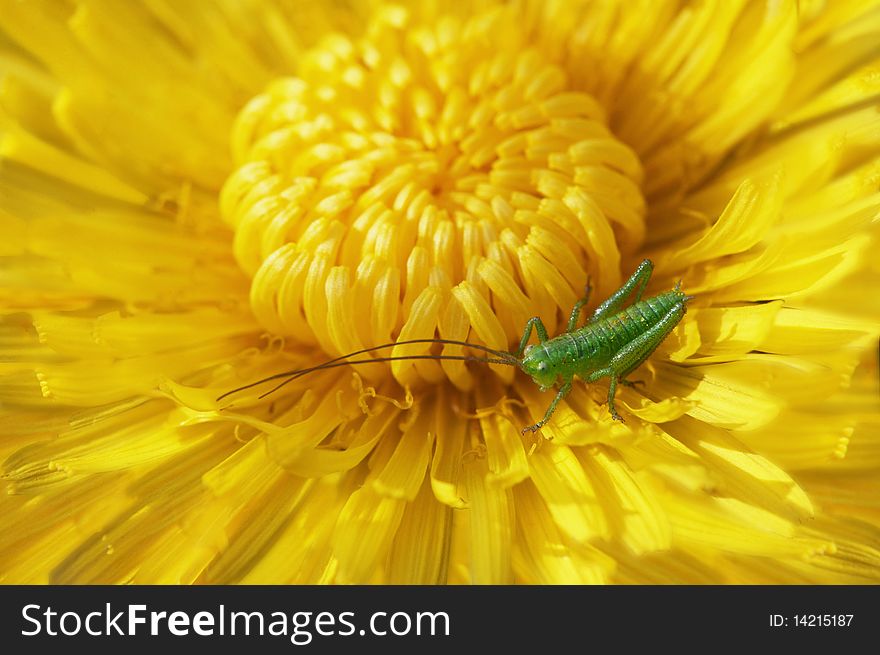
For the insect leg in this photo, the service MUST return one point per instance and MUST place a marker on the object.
(578, 306)
(639, 349)
(612, 391)
(608, 372)
(634, 353)
(563, 392)
(534, 322)
(637, 281)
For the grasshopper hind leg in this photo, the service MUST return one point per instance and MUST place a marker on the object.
(636, 282)
(633, 354)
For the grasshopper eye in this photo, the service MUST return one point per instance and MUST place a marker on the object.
(528, 348)
(542, 366)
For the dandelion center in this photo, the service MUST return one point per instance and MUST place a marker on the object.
(443, 177)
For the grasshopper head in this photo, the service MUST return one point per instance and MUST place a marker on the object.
(537, 364)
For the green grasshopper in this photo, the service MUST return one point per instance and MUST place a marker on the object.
(615, 341)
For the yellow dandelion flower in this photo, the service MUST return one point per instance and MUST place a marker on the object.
(198, 195)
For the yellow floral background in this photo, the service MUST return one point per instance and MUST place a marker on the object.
(197, 195)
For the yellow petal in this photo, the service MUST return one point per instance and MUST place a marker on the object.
(541, 553)
(492, 528)
(570, 496)
(505, 453)
(401, 476)
(667, 409)
(639, 520)
(722, 396)
(745, 474)
(752, 210)
(730, 525)
(364, 533)
(734, 330)
(421, 546)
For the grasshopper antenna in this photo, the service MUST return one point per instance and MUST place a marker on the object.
(500, 357)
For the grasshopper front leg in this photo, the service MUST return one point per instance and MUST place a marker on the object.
(563, 392)
(534, 322)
